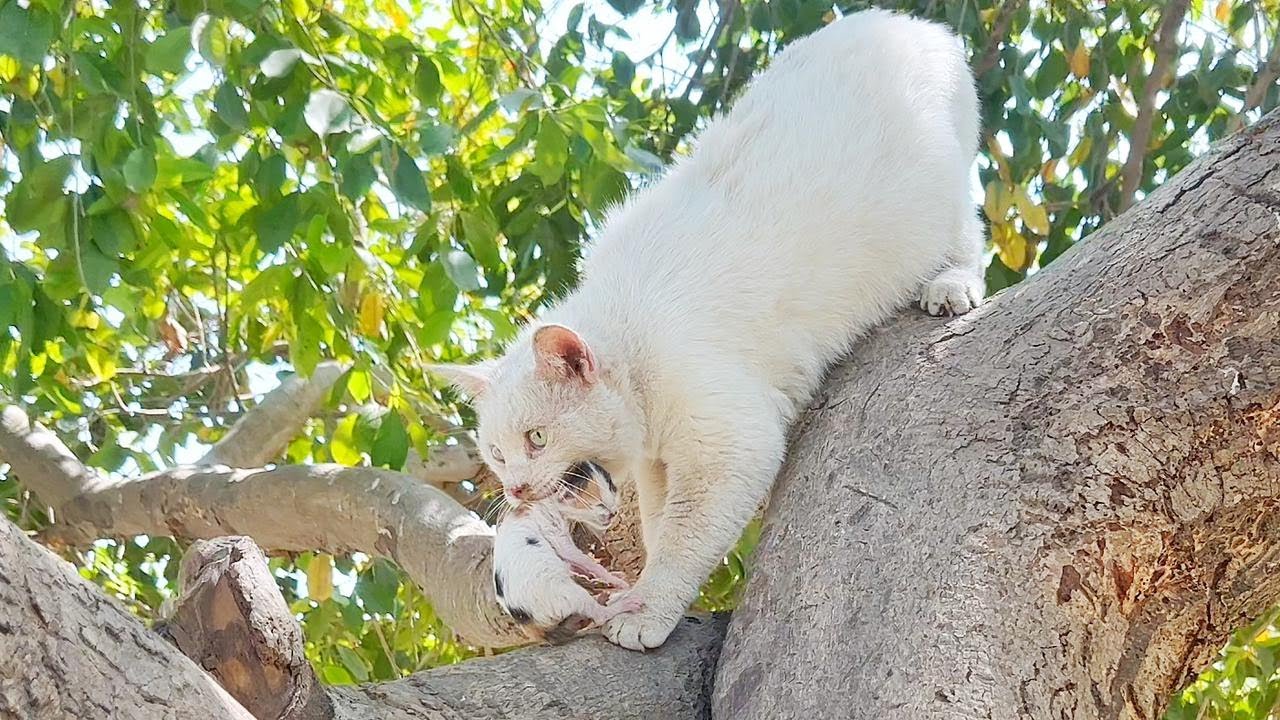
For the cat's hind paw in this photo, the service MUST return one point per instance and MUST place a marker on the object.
(952, 292)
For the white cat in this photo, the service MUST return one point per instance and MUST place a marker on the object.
(834, 191)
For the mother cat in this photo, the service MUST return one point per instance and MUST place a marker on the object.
(835, 191)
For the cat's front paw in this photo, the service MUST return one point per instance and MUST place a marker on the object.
(952, 292)
(642, 629)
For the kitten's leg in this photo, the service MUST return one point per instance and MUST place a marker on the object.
(601, 614)
(582, 563)
(961, 285)
(716, 478)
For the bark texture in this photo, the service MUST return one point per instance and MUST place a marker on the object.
(232, 619)
(1055, 507)
(67, 651)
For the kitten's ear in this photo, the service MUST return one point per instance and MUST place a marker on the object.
(472, 380)
(561, 353)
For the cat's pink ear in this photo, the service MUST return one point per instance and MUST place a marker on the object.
(472, 380)
(561, 353)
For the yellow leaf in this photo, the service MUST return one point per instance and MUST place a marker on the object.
(8, 68)
(1079, 61)
(320, 577)
(372, 308)
(1049, 171)
(86, 319)
(997, 156)
(1010, 246)
(989, 16)
(996, 202)
(1034, 217)
(1223, 11)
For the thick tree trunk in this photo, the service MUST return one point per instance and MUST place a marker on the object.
(1055, 507)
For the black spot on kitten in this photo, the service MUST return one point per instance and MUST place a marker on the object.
(497, 584)
(519, 615)
(531, 541)
(608, 479)
(577, 475)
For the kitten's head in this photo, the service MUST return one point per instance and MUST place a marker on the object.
(588, 495)
(542, 408)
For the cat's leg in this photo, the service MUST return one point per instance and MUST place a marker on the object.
(961, 285)
(651, 496)
(717, 476)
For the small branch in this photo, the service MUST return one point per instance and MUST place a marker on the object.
(1166, 52)
(999, 33)
(1268, 72)
(263, 433)
(586, 679)
(232, 619)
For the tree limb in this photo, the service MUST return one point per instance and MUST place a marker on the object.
(260, 435)
(232, 620)
(67, 651)
(443, 547)
(1166, 51)
(1057, 506)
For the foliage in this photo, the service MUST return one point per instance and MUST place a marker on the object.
(200, 195)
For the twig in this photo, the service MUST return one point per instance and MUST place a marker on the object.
(999, 32)
(1166, 52)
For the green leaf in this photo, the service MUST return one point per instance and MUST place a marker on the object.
(377, 587)
(406, 179)
(270, 175)
(551, 153)
(276, 225)
(602, 186)
(462, 270)
(626, 7)
(391, 444)
(342, 446)
(353, 663)
(436, 138)
(168, 53)
(327, 113)
(25, 33)
(230, 107)
(482, 239)
(426, 80)
(96, 267)
(140, 170)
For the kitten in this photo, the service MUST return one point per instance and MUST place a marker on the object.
(534, 556)
(834, 192)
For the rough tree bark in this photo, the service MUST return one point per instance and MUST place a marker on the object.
(1055, 507)
(66, 651)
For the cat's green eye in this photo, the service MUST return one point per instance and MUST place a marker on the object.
(537, 438)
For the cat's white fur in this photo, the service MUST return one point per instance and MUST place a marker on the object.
(834, 192)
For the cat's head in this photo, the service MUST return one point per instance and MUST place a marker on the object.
(543, 408)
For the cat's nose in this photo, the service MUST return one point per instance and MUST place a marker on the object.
(520, 492)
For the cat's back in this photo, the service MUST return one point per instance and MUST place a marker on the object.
(817, 204)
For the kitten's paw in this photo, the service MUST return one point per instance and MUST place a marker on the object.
(644, 628)
(952, 292)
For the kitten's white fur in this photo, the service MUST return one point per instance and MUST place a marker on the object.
(833, 192)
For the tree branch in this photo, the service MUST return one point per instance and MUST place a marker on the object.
(999, 34)
(1166, 51)
(232, 619)
(260, 435)
(66, 650)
